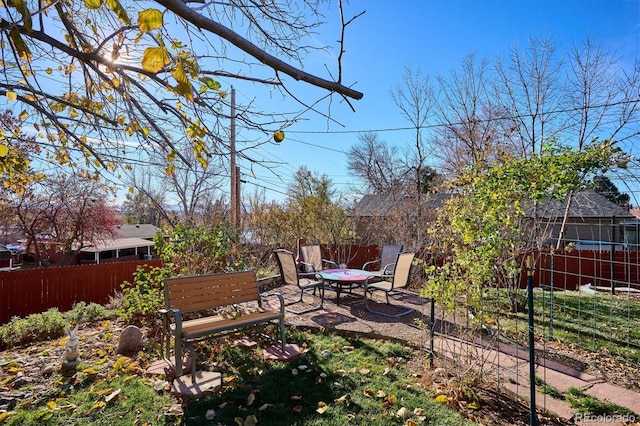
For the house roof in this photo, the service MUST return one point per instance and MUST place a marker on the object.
(117, 244)
(586, 204)
(379, 205)
(143, 230)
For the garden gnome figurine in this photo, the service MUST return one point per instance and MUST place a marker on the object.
(71, 355)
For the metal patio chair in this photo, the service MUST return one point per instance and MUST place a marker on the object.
(306, 282)
(311, 259)
(386, 263)
(391, 285)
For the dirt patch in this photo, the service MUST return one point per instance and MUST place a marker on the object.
(480, 402)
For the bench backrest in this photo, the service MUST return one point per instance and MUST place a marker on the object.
(199, 292)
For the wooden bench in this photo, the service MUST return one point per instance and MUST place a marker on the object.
(212, 300)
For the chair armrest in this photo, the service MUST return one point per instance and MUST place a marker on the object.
(388, 269)
(308, 266)
(280, 298)
(332, 263)
(371, 262)
(307, 274)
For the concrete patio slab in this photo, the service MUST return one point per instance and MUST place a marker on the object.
(205, 382)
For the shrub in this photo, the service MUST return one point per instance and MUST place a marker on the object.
(34, 327)
(83, 312)
(146, 295)
(187, 250)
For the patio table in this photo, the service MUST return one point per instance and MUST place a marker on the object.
(340, 279)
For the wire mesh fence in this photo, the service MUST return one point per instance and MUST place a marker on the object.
(585, 318)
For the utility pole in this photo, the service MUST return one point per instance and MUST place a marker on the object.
(233, 169)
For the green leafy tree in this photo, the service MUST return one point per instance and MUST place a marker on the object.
(312, 211)
(198, 250)
(610, 191)
(138, 208)
(486, 229)
(184, 250)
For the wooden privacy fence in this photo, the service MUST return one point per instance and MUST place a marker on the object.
(353, 255)
(24, 292)
(567, 270)
(29, 291)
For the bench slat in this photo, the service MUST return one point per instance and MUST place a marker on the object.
(210, 291)
(205, 326)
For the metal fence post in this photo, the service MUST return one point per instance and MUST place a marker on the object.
(432, 313)
(533, 420)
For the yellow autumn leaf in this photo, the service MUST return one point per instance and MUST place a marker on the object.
(99, 405)
(131, 190)
(203, 162)
(322, 407)
(169, 170)
(51, 405)
(92, 4)
(474, 405)
(149, 19)
(117, 8)
(278, 136)
(48, 71)
(4, 150)
(154, 59)
(12, 96)
(442, 399)
(179, 74)
(23, 115)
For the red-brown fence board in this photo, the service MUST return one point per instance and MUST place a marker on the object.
(352, 254)
(24, 292)
(571, 269)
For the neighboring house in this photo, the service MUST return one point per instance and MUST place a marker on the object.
(372, 208)
(5, 258)
(591, 217)
(592, 220)
(135, 242)
(145, 231)
(117, 250)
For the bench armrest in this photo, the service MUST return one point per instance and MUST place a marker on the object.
(166, 315)
(279, 296)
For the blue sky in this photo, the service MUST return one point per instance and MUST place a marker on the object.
(433, 35)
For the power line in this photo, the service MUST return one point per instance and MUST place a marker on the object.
(484, 120)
